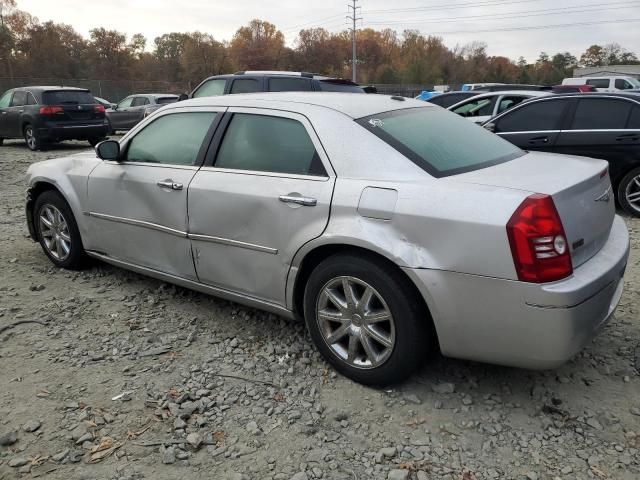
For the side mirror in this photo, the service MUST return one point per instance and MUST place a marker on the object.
(114, 106)
(182, 96)
(490, 126)
(108, 150)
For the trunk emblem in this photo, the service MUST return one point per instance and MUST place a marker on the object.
(605, 197)
(79, 107)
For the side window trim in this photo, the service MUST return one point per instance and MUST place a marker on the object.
(216, 143)
(202, 151)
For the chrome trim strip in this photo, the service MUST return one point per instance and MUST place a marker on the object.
(587, 130)
(139, 223)
(151, 164)
(233, 243)
(314, 178)
(529, 132)
(200, 287)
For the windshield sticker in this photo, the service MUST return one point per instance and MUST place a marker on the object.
(376, 122)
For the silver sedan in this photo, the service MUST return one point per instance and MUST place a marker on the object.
(391, 226)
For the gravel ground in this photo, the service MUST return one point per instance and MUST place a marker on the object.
(125, 377)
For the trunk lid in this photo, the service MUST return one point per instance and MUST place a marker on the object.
(77, 105)
(581, 192)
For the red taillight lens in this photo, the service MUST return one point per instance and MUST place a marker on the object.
(538, 243)
(47, 110)
(98, 109)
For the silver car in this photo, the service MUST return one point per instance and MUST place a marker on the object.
(392, 226)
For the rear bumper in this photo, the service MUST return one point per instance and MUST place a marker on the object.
(73, 131)
(521, 324)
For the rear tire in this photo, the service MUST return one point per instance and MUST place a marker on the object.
(381, 333)
(628, 192)
(31, 136)
(57, 231)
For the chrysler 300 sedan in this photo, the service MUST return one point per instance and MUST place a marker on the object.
(391, 226)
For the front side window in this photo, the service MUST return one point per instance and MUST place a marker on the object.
(19, 99)
(508, 102)
(126, 103)
(212, 88)
(439, 142)
(5, 100)
(538, 116)
(173, 139)
(289, 85)
(476, 107)
(622, 84)
(245, 85)
(268, 144)
(599, 82)
(31, 100)
(139, 101)
(601, 113)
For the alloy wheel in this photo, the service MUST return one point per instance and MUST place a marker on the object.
(355, 322)
(632, 193)
(54, 231)
(30, 138)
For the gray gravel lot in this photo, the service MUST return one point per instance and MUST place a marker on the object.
(127, 377)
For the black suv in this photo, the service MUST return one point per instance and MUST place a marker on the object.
(272, 81)
(51, 114)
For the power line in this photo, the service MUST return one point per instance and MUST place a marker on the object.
(509, 15)
(481, 3)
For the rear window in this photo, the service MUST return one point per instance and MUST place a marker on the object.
(165, 100)
(339, 86)
(61, 97)
(440, 142)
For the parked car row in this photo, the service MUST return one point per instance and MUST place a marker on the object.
(392, 226)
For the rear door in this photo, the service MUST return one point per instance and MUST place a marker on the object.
(266, 194)
(599, 128)
(533, 126)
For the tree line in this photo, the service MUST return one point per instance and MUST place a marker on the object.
(30, 48)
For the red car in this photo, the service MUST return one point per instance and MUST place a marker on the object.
(573, 89)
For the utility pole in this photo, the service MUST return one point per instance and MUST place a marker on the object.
(353, 9)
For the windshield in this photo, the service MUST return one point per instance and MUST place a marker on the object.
(635, 82)
(71, 97)
(440, 142)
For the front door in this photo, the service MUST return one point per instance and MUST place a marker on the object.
(5, 102)
(138, 206)
(267, 194)
(123, 115)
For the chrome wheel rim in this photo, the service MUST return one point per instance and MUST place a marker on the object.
(632, 193)
(30, 137)
(54, 231)
(355, 322)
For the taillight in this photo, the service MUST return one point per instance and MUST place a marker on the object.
(98, 109)
(538, 243)
(47, 110)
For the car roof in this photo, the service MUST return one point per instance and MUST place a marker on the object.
(629, 95)
(354, 105)
(532, 93)
(51, 88)
(154, 95)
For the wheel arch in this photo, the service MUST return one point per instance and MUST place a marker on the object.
(312, 258)
(37, 188)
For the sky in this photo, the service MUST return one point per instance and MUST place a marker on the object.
(501, 24)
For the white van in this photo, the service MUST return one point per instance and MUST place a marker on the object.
(605, 84)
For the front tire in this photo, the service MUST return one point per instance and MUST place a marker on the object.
(628, 193)
(367, 319)
(57, 231)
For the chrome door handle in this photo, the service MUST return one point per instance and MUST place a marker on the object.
(304, 201)
(170, 184)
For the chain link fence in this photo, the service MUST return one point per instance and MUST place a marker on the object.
(112, 90)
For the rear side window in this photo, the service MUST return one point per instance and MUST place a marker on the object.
(599, 82)
(439, 142)
(212, 88)
(289, 85)
(268, 144)
(601, 113)
(538, 116)
(508, 102)
(31, 100)
(339, 86)
(70, 97)
(173, 139)
(476, 107)
(139, 101)
(19, 99)
(634, 120)
(245, 85)
(165, 100)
